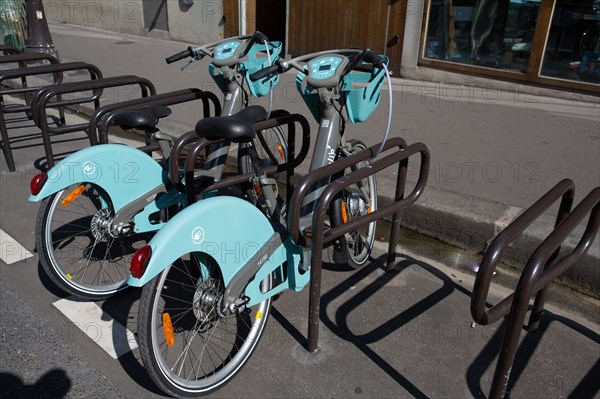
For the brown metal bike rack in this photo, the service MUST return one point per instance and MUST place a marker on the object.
(278, 118)
(320, 237)
(56, 70)
(41, 102)
(541, 268)
(104, 116)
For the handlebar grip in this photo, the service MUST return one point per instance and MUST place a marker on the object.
(179, 56)
(372, 58)
(270, 70)
(259, 37)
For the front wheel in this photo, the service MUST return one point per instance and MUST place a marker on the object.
(354, 248)
(271, 147)
(188, 347)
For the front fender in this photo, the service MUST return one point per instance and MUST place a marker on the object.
(125, 173)
(228, 229)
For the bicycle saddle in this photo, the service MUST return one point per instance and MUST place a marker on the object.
(236, 127)
(145, 120)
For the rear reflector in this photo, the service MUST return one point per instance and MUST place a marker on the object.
(37, 183)
(139, 261)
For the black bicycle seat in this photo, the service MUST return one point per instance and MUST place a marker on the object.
(236, 127)
(145, 120)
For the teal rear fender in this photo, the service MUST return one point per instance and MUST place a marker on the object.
(125, 173)
(228, 229)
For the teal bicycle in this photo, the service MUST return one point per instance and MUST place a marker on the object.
(99, 205)
(210, 274)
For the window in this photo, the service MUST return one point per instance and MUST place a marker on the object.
(491, 33)
(573, 45)
(555, 42)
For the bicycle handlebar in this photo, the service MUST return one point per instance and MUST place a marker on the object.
(199, 52)
(372, 58)
(282, 65)
(179, 56)
(270, 70)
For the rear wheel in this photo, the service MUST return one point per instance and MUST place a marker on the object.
(75, 248)
(188, 346)
(354, 248)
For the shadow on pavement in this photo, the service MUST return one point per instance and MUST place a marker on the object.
(54, 384)
(588, 387)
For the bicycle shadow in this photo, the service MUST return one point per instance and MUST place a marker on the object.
(588, 387)
(339, 325)
(123, 308)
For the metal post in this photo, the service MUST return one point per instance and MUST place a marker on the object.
(38, 34)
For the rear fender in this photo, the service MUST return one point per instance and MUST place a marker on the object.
(126, 174)
(228, 229)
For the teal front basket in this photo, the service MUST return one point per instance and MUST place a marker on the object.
(253, 64)
(257, 60)
(362, 93)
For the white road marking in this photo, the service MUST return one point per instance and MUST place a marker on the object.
(11, 251)
(108, 333)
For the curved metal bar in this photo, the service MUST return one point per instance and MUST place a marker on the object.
(307, 181)
(178, 146)
(318, 235)
(565, 189)
(337, 186)
(537, 274)
(29, 108)
(102, 118)
(41, 98)
(190, 163)
(97, 87)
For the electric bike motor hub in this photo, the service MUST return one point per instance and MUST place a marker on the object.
(207, 300)
(101, 225)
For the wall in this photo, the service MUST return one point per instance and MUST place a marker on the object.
(202, 22)
(116, 15)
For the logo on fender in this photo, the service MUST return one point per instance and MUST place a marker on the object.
(89, 167)
(198, 235)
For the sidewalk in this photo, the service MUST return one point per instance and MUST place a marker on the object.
(493, 152)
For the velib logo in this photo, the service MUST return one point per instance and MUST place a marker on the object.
(198, 235)
(89, 168)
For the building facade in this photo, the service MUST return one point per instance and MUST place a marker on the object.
(545, 44)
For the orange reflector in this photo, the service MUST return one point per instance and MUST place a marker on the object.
(369, 210)
(280, 150)
(74, 194)
(344, 213)
(168, 329)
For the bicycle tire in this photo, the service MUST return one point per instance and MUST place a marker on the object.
(212, 345)
(72, 245)
(275, 154)
(354, 248)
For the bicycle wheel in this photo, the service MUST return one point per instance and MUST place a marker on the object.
(75, 249)
(354, 248)
(188, 347)
(271, 146)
